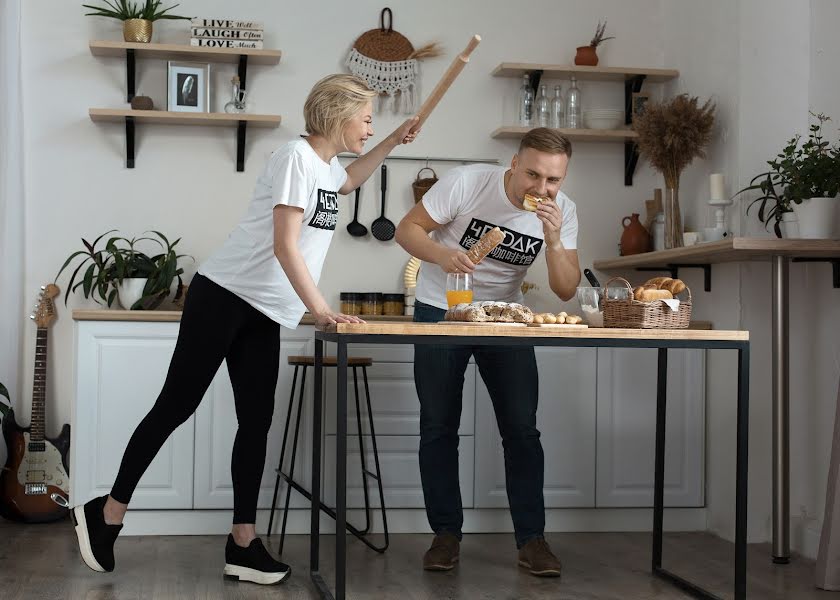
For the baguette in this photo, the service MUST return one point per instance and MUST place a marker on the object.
(485, 245)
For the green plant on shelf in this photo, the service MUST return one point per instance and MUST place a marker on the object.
(123, 10)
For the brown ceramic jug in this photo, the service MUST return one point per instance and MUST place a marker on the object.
(635, 238)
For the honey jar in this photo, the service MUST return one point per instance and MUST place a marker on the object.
(350, 303)
(393, 304)
(370, 303)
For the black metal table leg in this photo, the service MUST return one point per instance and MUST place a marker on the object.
(314, 527)
(741, 481)
(659, 461)
(341, 471)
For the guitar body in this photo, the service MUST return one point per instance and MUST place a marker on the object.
(35, 471)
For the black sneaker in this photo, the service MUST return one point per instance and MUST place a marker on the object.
(253, 563)
(96, 537)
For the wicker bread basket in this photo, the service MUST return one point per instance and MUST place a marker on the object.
(421, 185)
(633, 314)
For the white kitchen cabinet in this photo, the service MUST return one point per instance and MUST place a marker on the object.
(216, 425)
(566, 420)
(121, 367)
(393, 396)
(398, 459)
(626, 427)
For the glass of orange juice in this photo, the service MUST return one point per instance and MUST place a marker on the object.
(458, 288)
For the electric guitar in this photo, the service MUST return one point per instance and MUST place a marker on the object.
(34, 484)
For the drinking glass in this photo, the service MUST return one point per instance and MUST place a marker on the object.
(458, 288)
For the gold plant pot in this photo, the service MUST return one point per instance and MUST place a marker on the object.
(137, 30)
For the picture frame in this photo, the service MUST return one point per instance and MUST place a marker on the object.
(638, 102)
(187, 87)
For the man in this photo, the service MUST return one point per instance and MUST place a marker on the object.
(456, 211)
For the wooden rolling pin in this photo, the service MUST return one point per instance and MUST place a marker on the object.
(451, 73)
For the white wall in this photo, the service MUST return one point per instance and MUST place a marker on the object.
(754, 58)
(184, 183)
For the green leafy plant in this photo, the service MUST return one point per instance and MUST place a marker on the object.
(120, 259)
(599, 38)
(811, 170)
(123, 10)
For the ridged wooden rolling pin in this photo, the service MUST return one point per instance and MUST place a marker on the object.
(451, 73)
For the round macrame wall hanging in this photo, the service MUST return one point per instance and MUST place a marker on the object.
(389, 64)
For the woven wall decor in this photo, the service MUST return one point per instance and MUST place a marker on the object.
(388, 62)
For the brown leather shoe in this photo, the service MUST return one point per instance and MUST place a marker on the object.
(538, 558)
(443, 554)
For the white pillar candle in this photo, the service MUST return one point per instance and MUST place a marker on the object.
(716, 186)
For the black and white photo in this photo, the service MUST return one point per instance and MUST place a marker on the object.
(188, 87)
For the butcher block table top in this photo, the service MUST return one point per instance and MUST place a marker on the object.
(464, 329)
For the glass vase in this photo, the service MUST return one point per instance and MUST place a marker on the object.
(673, 219)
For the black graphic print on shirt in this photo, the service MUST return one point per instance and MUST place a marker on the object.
(516, 249)
(326, 213)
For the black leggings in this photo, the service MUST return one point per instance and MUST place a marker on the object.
(216, 325)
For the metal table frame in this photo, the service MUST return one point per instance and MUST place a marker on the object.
(342, 340)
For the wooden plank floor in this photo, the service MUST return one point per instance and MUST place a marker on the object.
(42, 562)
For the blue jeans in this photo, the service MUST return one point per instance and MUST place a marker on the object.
(510, 374)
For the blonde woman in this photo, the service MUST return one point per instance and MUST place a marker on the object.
(265, 275)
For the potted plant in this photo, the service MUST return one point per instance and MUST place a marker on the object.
(802, 179)
(121, 271)
(137, 18)
(670, 135)
(587, 55)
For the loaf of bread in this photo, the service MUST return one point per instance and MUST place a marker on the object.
(529, 202)
(675, 286)
(485, 245)
(643, 294)
(496, 312)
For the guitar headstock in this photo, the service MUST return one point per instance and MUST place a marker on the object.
(44, 313)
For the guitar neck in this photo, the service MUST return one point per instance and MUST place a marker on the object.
(39, 387)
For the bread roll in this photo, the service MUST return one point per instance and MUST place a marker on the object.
(485, 245)
(574, 320)
(658, 282)
(675, 286)
(530, 202)
(652, 295)
(550, 319)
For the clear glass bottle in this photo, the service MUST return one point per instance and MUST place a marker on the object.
(526, 102)
(573, 111)
(558, 109)
(542, 110)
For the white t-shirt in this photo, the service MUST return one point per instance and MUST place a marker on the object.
(469, 201)
(246, 265)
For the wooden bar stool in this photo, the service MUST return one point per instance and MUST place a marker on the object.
(304, 362)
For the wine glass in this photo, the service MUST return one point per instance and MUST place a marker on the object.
(458, 288)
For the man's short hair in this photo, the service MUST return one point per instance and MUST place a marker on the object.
(546, 140)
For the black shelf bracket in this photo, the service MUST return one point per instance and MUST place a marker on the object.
(835, 267)
(534, 80)
(129, 142)
(240, 146)
(674, 270)
(243, 70)
(631, 149)
(129, 74)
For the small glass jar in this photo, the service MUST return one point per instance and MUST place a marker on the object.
(393, 304)
(370, 304)
(350, 303)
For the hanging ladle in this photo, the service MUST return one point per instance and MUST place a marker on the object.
(355, 228)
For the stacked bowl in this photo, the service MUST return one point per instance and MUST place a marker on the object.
(603, 118)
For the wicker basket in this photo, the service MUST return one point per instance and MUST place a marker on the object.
(633, 314)
(421, 185)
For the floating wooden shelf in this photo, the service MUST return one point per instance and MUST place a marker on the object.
(510, 69)
(118, 115)
(182, 52)
(632, 79)
(131, 51)
(586, 135)
(735, 249)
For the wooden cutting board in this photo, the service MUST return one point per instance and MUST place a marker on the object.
(559, 325)
(482, 323)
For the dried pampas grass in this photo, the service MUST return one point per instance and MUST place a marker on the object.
(673, 133)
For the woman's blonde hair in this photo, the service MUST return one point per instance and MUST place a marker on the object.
(332, 102)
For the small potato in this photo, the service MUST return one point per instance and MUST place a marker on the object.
(561, 318)
(573, 320)
(550, 319)
(538, 319)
